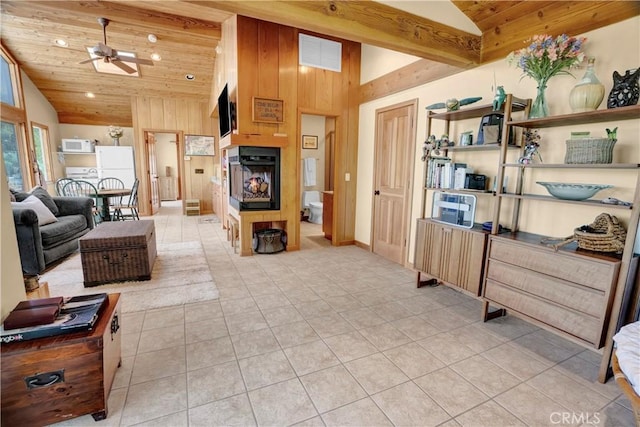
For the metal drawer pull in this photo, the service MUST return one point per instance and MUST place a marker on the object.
(45, 379)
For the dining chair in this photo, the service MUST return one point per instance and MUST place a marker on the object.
(81, 188)
(112, 183)
(60, 183)
(131, 205)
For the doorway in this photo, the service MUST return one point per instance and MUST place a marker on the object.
(393, 159)
(316, 177)
(162, 155)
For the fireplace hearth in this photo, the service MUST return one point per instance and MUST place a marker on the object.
(254, 182)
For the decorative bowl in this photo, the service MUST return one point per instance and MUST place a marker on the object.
(564, 191)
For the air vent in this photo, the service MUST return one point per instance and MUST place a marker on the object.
(320, 53)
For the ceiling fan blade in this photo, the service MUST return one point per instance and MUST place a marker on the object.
(124, 67)
(135, 60)
(89, 60)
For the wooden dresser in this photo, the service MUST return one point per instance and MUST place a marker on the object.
(74, 373)
(569, 292)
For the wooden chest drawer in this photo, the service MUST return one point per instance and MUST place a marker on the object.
(80, 368)
(580, 298)
(593, 273)
(579, 325)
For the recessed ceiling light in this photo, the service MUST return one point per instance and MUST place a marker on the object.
(152, 38)
(156, 56)
(190, 77)
(61, 43)
(90, 95)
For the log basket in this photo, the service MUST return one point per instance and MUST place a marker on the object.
(605, 234)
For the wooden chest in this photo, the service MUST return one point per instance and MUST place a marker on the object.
(118, 251)
(53, 379)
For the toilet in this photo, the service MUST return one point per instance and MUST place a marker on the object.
(311, 201)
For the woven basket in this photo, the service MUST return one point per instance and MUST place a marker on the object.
(605, 234)
(589, 150)
(626, 387)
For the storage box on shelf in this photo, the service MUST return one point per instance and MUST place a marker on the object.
(446, 253)
(573, 292)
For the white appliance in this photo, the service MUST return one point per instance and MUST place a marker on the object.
(77, 146)
(116, 162)
(84, 173)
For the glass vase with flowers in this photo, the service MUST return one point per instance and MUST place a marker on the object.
(115, 132)
(547, 56)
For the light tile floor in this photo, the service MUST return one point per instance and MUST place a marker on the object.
(338, 336)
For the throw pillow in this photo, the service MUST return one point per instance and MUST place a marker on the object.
(45, 198)
(19, 195)
(32, 202)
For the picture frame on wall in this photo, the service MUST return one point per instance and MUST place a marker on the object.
(199, 145)
(310, 142)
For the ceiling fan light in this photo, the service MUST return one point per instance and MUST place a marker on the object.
(61, 43)
(156, 56)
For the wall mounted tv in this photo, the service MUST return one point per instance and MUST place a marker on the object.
(225, 112)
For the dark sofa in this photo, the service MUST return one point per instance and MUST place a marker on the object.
(39, 246)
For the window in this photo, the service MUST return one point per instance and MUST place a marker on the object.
(41, 152)
(6, 83)
(11, 154)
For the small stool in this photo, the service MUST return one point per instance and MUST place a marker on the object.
(233, 232)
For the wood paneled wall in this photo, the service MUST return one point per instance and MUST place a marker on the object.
(267, 66)
(182, 116)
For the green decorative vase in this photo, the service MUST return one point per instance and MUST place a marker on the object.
(539, 108)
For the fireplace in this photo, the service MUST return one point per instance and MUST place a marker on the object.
(254, 182)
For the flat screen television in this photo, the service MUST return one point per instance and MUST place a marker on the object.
(225, 112)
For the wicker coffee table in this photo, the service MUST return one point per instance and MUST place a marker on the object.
(118, 251)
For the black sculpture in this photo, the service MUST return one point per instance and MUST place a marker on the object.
(625, 89)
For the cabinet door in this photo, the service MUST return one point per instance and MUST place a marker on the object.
(427, 258)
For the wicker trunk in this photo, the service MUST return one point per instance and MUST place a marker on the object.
(118, 251)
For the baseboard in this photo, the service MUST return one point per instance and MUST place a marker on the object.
(364, 246)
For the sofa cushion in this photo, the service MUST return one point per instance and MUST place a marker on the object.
(45, 198)
(32, 202)
(19, 195)
(65, 229)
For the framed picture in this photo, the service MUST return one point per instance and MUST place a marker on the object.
(266, 110)
(310, 142)
(199, 145)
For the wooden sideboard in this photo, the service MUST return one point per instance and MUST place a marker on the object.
(569, 292)
(450, 254)
(85, 362)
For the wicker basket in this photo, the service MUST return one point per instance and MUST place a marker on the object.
(626, 387)
(605, 234)
(589, 150)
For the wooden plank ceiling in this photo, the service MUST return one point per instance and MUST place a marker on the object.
(188, 33)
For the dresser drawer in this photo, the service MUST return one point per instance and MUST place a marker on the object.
(579, 325)
(589, 272)
(567, 294)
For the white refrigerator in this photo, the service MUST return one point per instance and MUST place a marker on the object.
(117, 162)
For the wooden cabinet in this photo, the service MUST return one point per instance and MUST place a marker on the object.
(86, 363)
(452, 254)
(577, 293)
(168, 187)
(567, 291)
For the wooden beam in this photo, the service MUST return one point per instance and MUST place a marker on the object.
(412, 75)
(365, 22)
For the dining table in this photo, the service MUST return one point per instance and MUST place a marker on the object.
(105, 193)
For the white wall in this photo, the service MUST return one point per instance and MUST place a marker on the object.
(551, 219)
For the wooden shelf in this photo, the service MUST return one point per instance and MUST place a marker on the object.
(479, 111)
(482, 147)
(587, 202)
(598, 116)
(462, 191)
(607, 166)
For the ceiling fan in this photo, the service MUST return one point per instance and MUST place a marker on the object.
(110, 55)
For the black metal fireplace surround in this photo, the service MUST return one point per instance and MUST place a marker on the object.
(254, 182)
